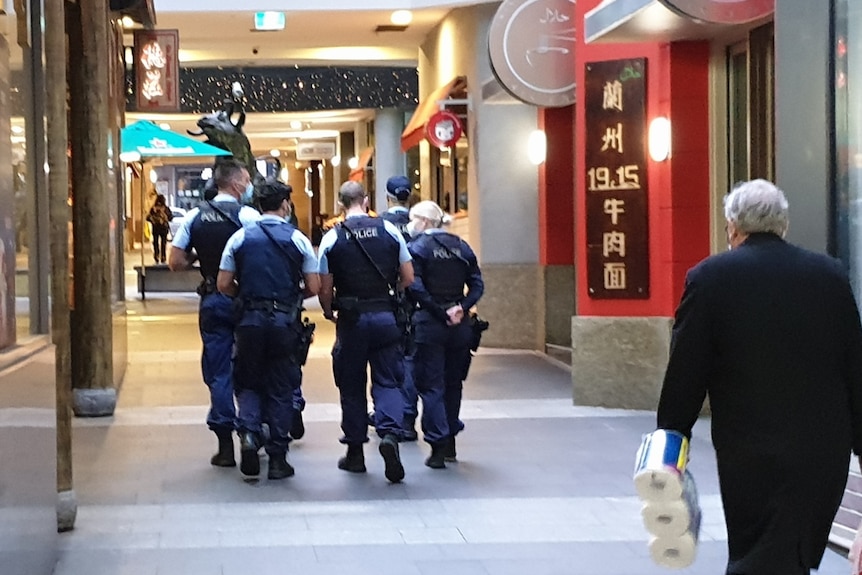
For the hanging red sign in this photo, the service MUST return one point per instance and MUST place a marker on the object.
(443, 129)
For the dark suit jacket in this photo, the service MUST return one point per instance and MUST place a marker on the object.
(772, 333)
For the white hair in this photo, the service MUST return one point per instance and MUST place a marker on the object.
(430, 211)
(757, 206)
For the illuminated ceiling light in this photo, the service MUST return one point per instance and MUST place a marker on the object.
(269, 21)
(537, 147)
(659, 139)
(154, 177)
(285, 175)
(275, 152)
(17, 130)
(335, 161)
(127, 22)
(353, 162)
(206, 173)
(165, 126)
(130, 157)
(401, 17)
(295, 125)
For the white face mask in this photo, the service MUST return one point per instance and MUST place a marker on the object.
(248, 194)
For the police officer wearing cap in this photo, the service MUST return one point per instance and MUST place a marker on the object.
(443, 265)
(270, 268)
(363, 262)
(202, 236)
(398, 189)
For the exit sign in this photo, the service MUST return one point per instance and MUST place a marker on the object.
(269, 21)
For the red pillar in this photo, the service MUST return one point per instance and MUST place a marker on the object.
(556, 203)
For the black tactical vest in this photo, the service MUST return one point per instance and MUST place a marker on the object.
(352, 272)
(399, 219)
(209, 232)
(267, 271)
(445, 271)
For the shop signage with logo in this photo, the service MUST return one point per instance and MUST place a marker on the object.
(157, 70)
(615, 180)
(443, 129)
(315, 151)
(532, 49)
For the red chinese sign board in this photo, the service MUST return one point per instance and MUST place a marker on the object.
(157, 70)
(443, 129)
(616, 180)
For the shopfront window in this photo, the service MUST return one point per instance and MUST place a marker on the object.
(848, 134)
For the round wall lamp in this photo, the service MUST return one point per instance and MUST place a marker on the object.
(659, 139)
(537, 147)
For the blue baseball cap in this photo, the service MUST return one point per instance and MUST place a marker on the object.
(399, 187)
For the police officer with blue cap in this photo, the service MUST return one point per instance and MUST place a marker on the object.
(363, 263)
(202, 236)
(398, 190)
(270, 268)
(443, 265)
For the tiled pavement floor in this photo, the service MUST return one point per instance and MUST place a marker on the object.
(541, 487)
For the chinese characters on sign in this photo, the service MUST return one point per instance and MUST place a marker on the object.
(615, 180)
(157, 70)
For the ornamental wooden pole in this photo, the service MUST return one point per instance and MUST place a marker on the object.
(59, 217)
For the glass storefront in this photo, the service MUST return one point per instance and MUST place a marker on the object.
(848, 137)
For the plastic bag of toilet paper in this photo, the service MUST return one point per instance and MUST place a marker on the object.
(660, 465)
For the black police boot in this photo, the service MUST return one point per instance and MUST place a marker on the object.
(394, 471)
(224, 457)
(449, 448)
(436, 460)
(409, 432)
(354, 461)
(279, 468)
(249, 463)
(297, 427)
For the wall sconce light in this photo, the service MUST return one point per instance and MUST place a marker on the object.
(275, 152)
(659, 139)
(537, 147)
(285, 175)
(335, 161)
(206, 173)
(353, 162)
(154, 176)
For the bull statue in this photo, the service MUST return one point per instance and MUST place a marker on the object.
(221, 131)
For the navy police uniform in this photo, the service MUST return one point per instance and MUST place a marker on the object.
(443, 264)
(206, 230)
(366, 331)
(269, 261)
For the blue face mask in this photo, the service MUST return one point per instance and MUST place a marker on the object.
(248, 195)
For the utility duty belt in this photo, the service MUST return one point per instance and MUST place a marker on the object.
(207, 286)
(358, 305)
(270, 306)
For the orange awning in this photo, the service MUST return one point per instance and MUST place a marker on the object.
(357, 174)
(415, 130)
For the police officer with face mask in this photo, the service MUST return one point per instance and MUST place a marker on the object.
(363, 263)
(270, 268)
(205, 230)
(443, 265)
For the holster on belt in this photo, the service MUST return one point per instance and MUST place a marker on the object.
(306, 336)
(207, 286)
(477, 326)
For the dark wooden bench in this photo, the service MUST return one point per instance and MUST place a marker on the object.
(162, 279)
(849, 515)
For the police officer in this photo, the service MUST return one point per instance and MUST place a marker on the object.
(398, 189)
(205, 230)
(363, 262)
(270, 268)
(443, 265)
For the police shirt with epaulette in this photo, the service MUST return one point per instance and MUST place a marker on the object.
(444, 267)
(269, 269)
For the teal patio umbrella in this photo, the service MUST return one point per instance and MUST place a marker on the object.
(144, 140)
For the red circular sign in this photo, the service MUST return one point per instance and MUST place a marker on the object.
(443, 129)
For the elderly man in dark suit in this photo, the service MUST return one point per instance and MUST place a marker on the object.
(771, 333)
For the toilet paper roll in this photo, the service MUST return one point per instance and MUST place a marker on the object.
(660, 465)
(668, 518)
(674, 552)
